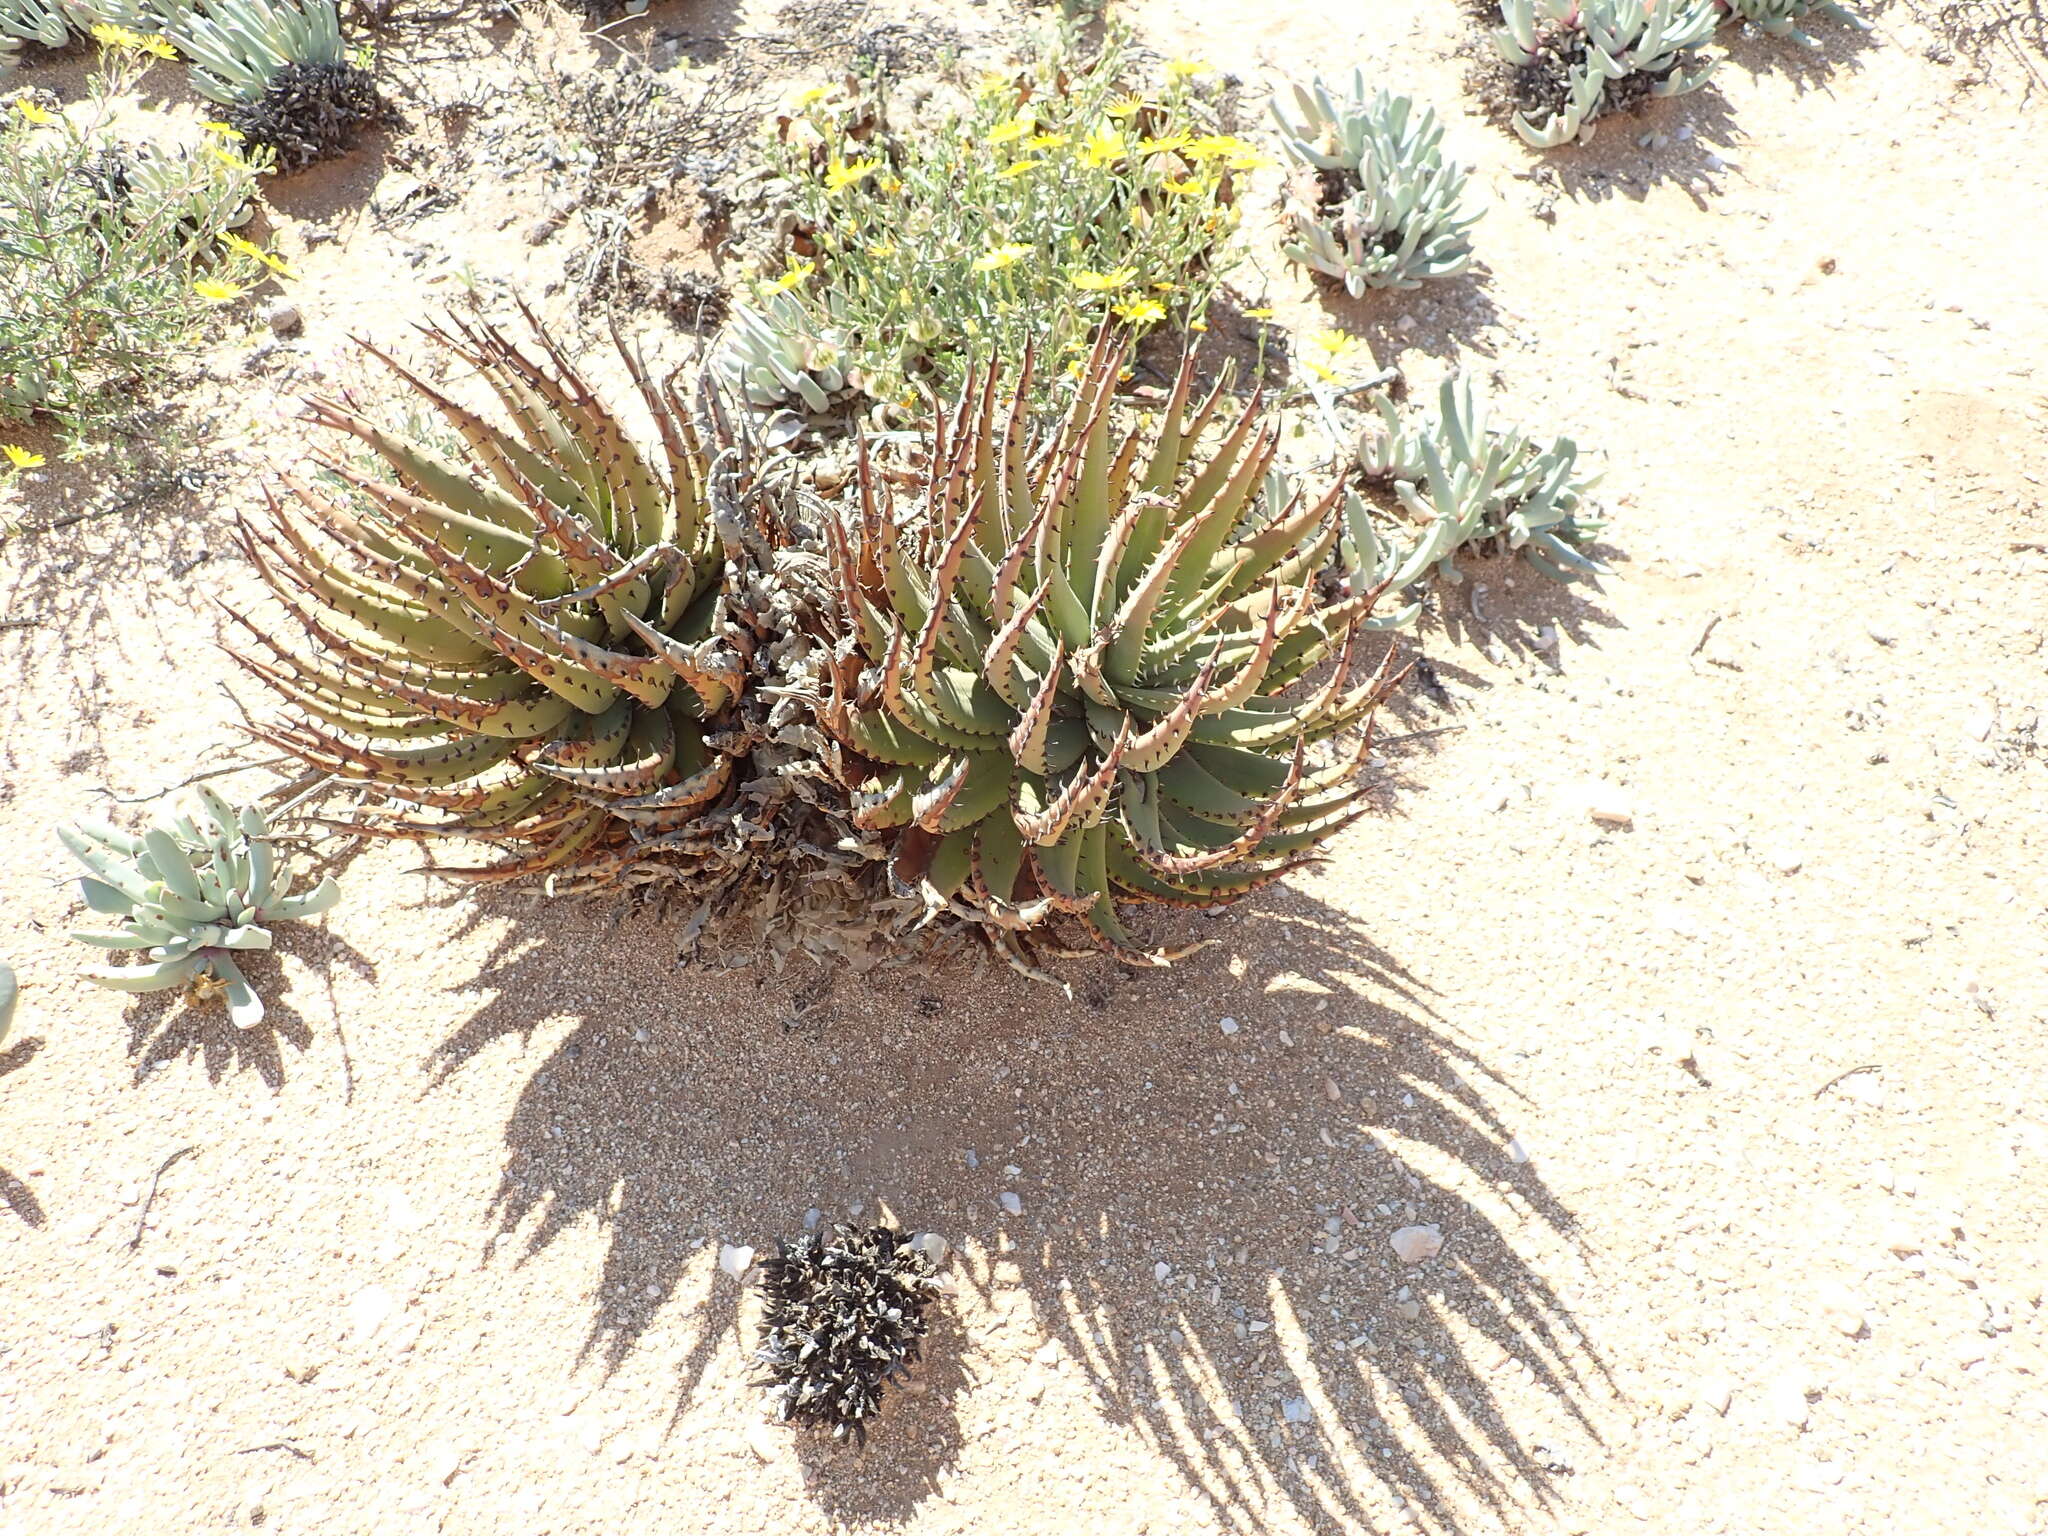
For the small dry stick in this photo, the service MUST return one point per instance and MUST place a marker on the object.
(1844, 1077)
(1700, 644)
(142, 1221)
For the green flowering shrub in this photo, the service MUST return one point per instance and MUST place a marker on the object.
(114, 251)
(1022, 209)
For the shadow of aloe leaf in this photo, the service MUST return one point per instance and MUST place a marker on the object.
(1182, 1228)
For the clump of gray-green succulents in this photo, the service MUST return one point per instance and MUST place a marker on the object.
(1781, 18)
(1572, 62)
(1372, 201)
(30, 21)
(185, 896)
(282, 70)
(1468, 484)
(778, 353)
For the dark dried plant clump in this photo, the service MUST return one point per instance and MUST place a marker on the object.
(844, 1318)
(311, 112)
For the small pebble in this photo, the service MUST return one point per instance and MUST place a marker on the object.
(735, 1259)
(285, 319)
(1517, 1152)
(1228, 1026)
(1788, 1401)
(1416, 1245)
(1014, 1204)
(1609, 809)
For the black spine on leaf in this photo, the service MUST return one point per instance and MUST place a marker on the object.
(311, 112)
(844, 1318)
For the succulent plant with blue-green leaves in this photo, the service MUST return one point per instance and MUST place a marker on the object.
(186, 896)
(282, 70)
(780, 353)
(1469, 484)
(1782, 18)
(30, 21)
(1574, 61)
(1372, 201)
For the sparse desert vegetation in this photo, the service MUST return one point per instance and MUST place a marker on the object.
(906, 765)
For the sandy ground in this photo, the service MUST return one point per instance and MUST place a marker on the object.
(436, 1249)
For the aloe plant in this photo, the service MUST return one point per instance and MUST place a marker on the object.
(1466, 482)
(519, 641)
(1078, 661)
(187, 895)
(1575, 60)
(1374, 203)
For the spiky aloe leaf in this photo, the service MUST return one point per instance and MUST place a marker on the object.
(519, 626)
(1138, 593)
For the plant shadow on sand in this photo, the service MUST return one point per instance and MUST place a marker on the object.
(1265, 1167)
(15, 1193)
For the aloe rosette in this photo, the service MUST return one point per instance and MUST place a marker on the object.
(187, 896)
(516, 642)
(1078, 659)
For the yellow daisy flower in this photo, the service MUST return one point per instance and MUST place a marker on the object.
(31, 111)
(1217, 146)
(1140, 311)
(251, 249)
(1104, 146)
(1013, 128)
(1182, 69)
(21, 458)
(839, 175)
(798, 271)
(1047, 141)
(1101, 282)
(218, 289)
(1002, 256)
(1018, 168)
(112, 36)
